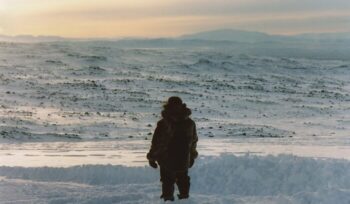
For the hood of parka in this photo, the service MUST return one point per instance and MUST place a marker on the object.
(176, 115)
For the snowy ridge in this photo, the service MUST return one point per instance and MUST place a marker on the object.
(245, 179)
(89, 174)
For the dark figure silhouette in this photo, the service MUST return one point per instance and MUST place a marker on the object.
(174, 148)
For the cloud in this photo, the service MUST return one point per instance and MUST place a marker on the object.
(144, 17)
(322, 23)
(207, 7)
(105, 9)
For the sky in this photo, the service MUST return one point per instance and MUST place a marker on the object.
(170, 18)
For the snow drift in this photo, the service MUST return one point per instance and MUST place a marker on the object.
(226, 179)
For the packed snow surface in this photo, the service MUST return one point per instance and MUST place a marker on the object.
(223, 179)
(133, 152)
(97, 90)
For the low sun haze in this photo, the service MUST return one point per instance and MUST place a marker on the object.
(157, 18)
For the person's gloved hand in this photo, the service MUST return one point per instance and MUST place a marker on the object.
(191, 163)
(153, 164)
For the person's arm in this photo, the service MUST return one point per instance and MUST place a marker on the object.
(194, 153)
(152, 154)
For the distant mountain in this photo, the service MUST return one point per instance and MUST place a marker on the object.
(256, 37)
(234, 35)
(207, 37)
(31, 38)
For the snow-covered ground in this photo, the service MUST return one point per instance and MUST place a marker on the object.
(76, 119)
(97, 90)
(224, 179)
(132, 152)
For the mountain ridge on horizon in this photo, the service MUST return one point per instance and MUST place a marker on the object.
(256, 36)
(234, 35)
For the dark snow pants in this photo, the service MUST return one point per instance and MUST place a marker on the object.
(169, 178)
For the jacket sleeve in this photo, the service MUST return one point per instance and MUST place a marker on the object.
(156, 140)
(194, 153)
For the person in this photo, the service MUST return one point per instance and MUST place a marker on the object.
(174, 148)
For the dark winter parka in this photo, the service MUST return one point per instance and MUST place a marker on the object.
(174, 141)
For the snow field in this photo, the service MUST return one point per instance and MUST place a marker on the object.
(224, 179)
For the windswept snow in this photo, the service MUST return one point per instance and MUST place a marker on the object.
(76, 119)
(223, 179)
(133, 152)
(70, 91)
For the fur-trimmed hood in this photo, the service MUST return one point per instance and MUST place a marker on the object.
(172, 115)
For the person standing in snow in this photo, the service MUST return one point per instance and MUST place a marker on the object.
(174, 148)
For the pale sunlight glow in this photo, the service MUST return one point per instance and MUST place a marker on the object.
(157, 18)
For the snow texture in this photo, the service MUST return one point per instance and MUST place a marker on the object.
(73, 91)
(224, 179)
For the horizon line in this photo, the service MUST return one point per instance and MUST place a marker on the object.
(169, 37)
